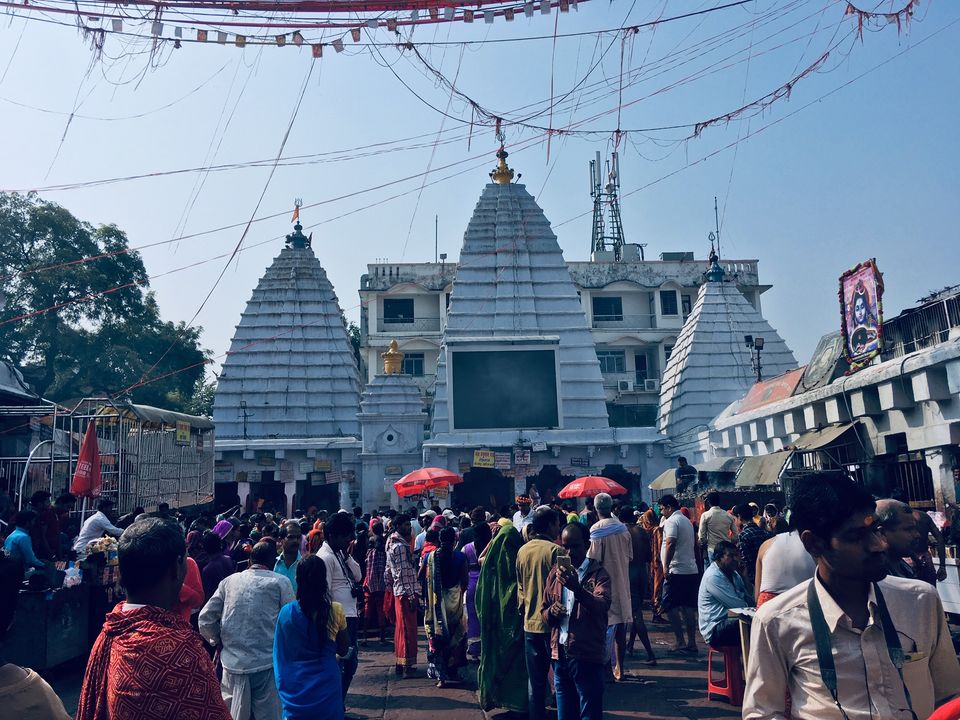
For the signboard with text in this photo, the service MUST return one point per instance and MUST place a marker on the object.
(501, 461)
(483, 459)
(521, 456)
(183, 432)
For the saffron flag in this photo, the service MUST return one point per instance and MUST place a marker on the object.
(86, 479)
(296, 208)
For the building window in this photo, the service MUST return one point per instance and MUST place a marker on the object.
(607, 309)
(398, 310)
(641, 365)
(612, 361)
(668, 302)
(686, 305)
(447, 301)
(413, 364)
(632, 415)
(667, 352)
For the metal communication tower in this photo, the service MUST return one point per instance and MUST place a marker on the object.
(607, 224)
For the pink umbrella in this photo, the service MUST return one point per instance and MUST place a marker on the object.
(592, 485)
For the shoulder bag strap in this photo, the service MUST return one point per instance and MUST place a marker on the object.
(821, 636)
(894, 648)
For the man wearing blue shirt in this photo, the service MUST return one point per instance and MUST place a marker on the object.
(722, 589)
(18, 546)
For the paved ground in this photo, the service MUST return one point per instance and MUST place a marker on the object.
(676, 688)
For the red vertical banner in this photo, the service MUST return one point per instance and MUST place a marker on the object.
(86, 479)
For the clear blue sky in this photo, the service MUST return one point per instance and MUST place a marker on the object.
(872, 170)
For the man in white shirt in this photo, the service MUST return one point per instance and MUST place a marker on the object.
(522, 517)
(96, 525)
(343, 582)
(716, 525)
(851, 644)
(679, 594)
(241, 616)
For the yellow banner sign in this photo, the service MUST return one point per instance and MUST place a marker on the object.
(484, 458)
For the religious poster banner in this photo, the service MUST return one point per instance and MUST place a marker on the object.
(521, 456)
(483, 459)
(501, 461)
(861, 310)
(183, 432)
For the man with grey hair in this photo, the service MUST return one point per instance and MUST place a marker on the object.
(612, 547)
(899, 528)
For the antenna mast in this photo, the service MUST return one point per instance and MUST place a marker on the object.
(606, 196)
(716, 220)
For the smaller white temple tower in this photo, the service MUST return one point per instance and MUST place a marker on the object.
(392, 423)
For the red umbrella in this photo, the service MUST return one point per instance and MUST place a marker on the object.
(424, 479)
(590, 486)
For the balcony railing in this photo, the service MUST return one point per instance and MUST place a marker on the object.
(408, 325)
(634, 322)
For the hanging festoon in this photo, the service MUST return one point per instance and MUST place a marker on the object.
(254, 22)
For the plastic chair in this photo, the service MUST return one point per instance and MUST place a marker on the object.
(733, 684)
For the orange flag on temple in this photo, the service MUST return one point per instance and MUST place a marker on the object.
(86, 479)
(296, 213)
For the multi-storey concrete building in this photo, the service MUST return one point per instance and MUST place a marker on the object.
(634, 308)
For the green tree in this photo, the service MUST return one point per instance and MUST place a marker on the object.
(79, 327)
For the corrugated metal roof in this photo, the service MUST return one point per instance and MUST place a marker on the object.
(726, 464)
(816, 439)
(763, 469)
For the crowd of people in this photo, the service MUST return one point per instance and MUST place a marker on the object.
(261, 615)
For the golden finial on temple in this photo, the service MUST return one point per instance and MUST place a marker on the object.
(502, 174)
(392, 359)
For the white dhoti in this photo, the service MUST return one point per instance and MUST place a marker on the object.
(246, 693)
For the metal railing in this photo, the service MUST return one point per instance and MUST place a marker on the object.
(921, 328)
(637, 322)
(408, 325)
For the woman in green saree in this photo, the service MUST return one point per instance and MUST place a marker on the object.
(502, 678)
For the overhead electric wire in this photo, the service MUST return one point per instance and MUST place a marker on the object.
(243, 235)
(647, 185)
(772, 123)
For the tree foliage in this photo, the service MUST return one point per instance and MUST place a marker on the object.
(92, 328)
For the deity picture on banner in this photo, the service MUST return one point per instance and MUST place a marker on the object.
(861, 296)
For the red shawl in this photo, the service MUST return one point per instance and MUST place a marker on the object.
(148, 664)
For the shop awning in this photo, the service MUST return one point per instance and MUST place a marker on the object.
(722, 465)
(763, 469)
(816, 439)
(667, 480)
